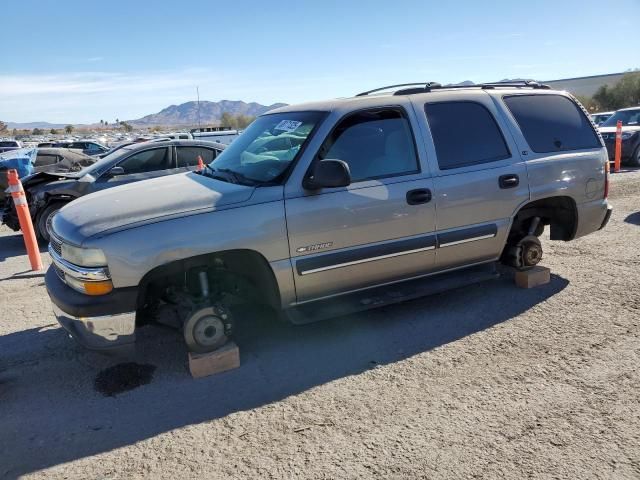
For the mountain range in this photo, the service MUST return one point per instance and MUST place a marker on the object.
(183, 114)
(210, 112)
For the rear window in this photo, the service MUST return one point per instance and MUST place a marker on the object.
(464, 133)
(552, 123)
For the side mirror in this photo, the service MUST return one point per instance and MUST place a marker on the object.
(116, 171)
(329, 173)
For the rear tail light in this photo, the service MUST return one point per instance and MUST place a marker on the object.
(607, 167)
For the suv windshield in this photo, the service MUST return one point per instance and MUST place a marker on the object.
(266, 149)
(628, 117)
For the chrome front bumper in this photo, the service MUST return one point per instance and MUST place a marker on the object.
(99, 333)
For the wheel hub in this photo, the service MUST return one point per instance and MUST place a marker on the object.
(531, 251)
(206, 329)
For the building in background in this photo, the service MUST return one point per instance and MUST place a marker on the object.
(585, 86)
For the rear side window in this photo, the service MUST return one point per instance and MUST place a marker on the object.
(464, 133)
(147, 161)
(552, 123)
(188, 156)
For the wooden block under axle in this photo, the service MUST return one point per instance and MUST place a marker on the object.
(534, 277)
(225, 358)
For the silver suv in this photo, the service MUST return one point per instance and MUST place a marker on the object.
(324, 208)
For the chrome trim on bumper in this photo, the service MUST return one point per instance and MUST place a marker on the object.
(89, 274)
(99, 333)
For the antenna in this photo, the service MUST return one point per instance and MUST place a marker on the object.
(198, 95)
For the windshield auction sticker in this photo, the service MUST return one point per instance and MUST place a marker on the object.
(287, 125)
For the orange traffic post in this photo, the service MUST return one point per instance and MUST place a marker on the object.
(26, 225)
(618, 156)
(200, 163)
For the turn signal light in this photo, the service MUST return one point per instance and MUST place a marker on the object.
(98, 288)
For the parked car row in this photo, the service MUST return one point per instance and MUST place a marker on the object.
(321, 209)
(87, 147)
(48, 190)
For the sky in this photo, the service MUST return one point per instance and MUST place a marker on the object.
(69, 61)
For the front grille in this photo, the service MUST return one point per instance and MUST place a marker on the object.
(59, 272)
(56, 245)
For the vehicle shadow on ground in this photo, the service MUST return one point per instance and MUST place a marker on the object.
(633, 219)
(51, 414)
(13, 246)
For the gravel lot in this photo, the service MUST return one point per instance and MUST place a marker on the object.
(488, 381)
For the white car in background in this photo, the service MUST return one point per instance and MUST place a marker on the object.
(600, 117)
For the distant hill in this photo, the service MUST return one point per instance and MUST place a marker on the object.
(210, 112)
(32, 125)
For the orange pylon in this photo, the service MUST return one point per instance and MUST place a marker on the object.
(618, 156)
(26, 225)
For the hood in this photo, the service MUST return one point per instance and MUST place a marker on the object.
(144, 202)
(625, 128)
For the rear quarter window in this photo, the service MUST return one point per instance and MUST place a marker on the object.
(552, 123)
(464, 133)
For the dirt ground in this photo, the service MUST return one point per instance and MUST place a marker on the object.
(489, 381)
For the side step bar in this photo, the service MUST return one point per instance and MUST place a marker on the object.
(390, 294)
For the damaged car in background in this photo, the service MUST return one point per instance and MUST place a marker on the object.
(53, 160)
(47, 191)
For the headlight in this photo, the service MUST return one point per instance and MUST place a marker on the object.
(627, 135)
(85, 257)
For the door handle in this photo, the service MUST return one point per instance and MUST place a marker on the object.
(419, 195)
(509, 181)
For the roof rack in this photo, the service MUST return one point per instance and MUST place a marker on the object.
(425, 87)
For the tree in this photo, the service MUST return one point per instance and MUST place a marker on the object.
(117, 121)
(126, 126)
(3, 126)
(36, 131)
(106, 123)
(625, 93)
(53, 131)
(68, 129)
(228, 120)
(589, 103)
(243, 121)
(239, 121)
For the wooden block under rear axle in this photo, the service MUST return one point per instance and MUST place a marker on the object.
(534, 277)
(225, 358)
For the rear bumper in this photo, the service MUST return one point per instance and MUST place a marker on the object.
(606, 217)
(97, 323)
(592, 216)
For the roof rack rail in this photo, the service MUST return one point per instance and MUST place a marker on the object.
(523, 83)
(429, 86)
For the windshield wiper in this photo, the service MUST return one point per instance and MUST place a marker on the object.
(215, 173)
(238, 177)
